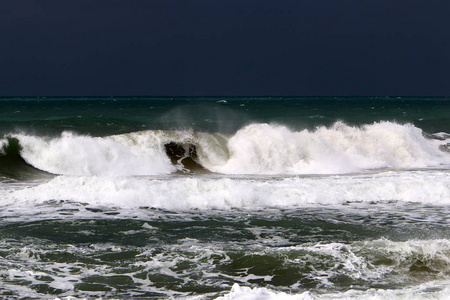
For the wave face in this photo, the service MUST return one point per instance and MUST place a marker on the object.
(12, 165)
(254, 149)
(268, 149)
(72, 154)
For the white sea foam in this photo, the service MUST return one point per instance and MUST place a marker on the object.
(364, 261)
(384, 261)
(437, 291)
(185, 193)
(247, 293)
(255, 149)
(73, 154)
(3, 143)
(377, 260)
(369, 261)
(268, 149)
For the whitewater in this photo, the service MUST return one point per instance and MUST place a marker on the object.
(239, 198)
(254, 149)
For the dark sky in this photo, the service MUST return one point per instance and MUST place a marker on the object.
(224, 47)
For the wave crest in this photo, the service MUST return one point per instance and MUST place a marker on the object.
(254, 149)
(269, 149)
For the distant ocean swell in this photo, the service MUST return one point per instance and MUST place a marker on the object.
(254, 149)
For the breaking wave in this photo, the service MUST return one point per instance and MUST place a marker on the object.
(254, 149)
(187, 193)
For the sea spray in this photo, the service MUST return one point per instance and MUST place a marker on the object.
(321, 198)
(254, 149)
(271, 149)
(73, 154)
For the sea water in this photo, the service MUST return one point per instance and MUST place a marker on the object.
(225, 198)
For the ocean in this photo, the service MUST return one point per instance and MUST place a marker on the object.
(225, 198)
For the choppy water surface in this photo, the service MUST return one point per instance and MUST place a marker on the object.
(239, 198)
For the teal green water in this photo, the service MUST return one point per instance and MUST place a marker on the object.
(105, 116)
(333, 197)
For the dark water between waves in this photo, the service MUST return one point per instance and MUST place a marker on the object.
(69, 230)
(163, 253)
